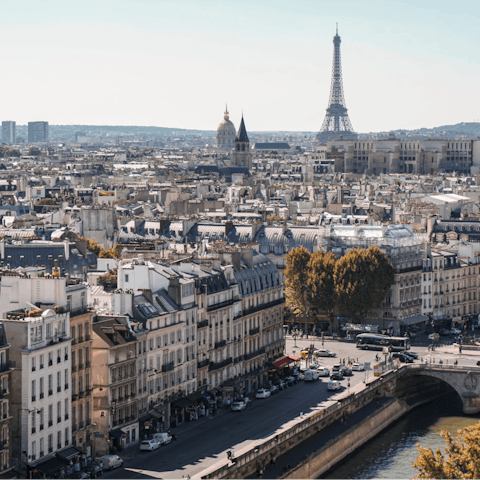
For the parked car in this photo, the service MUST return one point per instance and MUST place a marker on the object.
(149, 445)
(412, 354)
(323, 371)
(338, 375)
(238, 406)
(273, 389)
(324, 353)
(337, 367)
(311, 375)
(163, 438)
(263, 393)
(347, 371)
(334, 386)
(455, 331)
(358, 367)
(247, 401)
(109, 462)
(299, 376)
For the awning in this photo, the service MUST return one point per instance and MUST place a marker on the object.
(295, 358)
(416, 319)
(51, 466)
(181, 403)
(70, 453)
(117, 433)
(156, 414)
(282, 362)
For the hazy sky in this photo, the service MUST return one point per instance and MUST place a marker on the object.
(175, 63)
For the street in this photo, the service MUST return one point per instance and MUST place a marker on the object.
(203, 443)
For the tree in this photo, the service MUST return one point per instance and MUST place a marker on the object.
(461, 458)
(321, 283)
(296, 282)
(34, 151)
(362, 280)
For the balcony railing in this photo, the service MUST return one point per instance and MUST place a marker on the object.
(202, 324)
(216, 306)
(254, 331)
(168, 367)
(263, 306)
(4, 366)
(220, 344)
(222, 364)
(250, 355)
(203, 363)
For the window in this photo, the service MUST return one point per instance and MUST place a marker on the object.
(50, 384)
(50, 443)
(33, 364)
(34, 450)
(66, 409)
(33, 391)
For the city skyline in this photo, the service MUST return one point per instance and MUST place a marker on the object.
(177, 64)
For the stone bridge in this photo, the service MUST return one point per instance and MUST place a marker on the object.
(465, 381)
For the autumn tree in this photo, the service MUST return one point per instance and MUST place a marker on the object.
(321, 283)
(460, 459)
(363, 278)
(34, 151)
(296, 282)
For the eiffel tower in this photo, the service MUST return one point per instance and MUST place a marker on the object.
(336, 121)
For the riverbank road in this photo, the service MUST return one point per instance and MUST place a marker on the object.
(204, 443)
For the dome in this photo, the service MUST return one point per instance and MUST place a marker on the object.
(227, 126)
(226, 132)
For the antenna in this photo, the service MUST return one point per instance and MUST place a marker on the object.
(337, 28)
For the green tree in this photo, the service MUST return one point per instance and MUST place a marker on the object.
(34, 151)
(321, 283)
(363, 278)
(12, 152)
(460, 459)
(296, 282)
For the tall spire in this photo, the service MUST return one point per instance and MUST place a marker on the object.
(242, 132)
(336, 120)
(226, 116)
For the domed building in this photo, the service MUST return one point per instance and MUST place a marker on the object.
(226, 133)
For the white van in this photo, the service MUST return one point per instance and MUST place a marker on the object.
(162, 438)
(311, 375)
(109, 462)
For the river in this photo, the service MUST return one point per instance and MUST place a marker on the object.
(390, 454)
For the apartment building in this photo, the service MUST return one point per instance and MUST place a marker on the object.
(40, 388)
(8, 132)
(64, 296)
(115, 409)
(450, 285)
(6, 418)
(37, 132)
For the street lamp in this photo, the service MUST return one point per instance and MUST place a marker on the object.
(295, 334)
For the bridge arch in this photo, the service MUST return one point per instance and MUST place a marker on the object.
(431, 381)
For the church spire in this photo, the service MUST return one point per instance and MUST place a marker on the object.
(242, 133)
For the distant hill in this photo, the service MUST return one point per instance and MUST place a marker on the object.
(67, 132)
(464, 129)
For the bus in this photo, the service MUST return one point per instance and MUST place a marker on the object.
(373, 341)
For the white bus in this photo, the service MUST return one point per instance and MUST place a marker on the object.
(373, 341)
